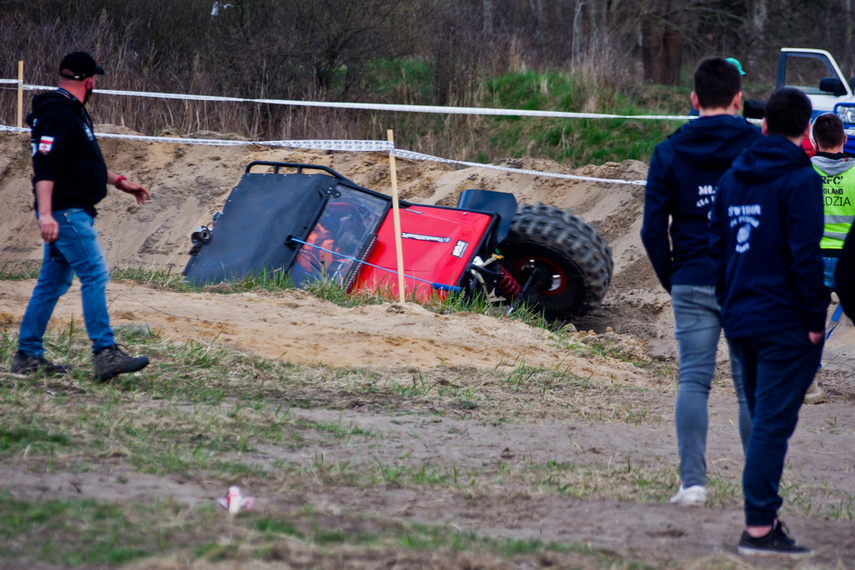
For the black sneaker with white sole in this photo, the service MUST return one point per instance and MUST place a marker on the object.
(111, 361)
(23, 363)
(774, 543)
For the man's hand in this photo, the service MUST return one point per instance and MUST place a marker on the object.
(816, 337)
(137, 190)
(49, 228)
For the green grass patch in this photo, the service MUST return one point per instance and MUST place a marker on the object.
(70, 533)
(406, 80)
(18, 270)
(85, 532)
(29, 438)
(206, 409)
(574, 141)
(213, 416)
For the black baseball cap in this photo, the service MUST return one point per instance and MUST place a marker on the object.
(81, 65)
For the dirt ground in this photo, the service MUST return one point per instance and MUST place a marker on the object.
(189, 183)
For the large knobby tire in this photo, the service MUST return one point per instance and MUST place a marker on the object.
(571, 263)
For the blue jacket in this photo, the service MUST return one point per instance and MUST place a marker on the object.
(681, 185)
(767, 221)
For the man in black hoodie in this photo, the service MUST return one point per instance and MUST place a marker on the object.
(69, 179)
(681, 185)
(767, 222)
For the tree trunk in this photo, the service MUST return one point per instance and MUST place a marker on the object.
(537, 8)
(758, 14)
(594, 42)
(651, 50)
(661, 44)
(487, 28)
(578, 35)
(672, 41)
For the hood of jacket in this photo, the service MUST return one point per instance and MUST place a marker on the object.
(711, 143)
(768, 158)
(43, 102)
(833, 166)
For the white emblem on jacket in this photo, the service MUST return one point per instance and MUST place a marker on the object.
(45, 144)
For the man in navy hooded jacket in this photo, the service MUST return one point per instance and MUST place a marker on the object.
(69, 179)
(681, 186)
(767, 222)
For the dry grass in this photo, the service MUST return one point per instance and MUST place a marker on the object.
(211, 416)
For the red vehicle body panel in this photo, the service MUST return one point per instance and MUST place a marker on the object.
(437, 243)
(808, 146)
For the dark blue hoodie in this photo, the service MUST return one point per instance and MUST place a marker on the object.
(65, 151)
(767, 222)
(681, 185)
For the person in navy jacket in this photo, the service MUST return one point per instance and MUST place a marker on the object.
(766, 226)
(681, 186)
(69, 179)
(844, 276)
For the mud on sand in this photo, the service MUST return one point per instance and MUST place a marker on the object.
(189, 183)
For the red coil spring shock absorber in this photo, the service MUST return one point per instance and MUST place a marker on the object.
(507, 285)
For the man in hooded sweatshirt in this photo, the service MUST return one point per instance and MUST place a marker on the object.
(681, 186)
(844, 276)
(766, 226)
(69, 179)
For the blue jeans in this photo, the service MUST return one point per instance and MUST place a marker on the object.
(830, 265)
(697, 326)
(76, 250)
(777, 368)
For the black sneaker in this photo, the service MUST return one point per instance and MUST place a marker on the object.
(111, 361)
(23, 363)
(775, 543)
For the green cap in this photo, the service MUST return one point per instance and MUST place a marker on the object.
(736, 63)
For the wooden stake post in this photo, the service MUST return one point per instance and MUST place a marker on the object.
(396, 218)
(20, 94)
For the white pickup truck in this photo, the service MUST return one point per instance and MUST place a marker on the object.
(814, 72)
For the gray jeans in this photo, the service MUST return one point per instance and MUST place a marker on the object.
(697, 327)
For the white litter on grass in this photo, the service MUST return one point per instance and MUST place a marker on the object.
(235, 501)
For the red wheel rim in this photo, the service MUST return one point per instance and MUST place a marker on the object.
(526, 265)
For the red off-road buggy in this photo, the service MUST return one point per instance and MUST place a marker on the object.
(324, 226)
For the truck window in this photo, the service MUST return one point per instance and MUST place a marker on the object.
(805, 72)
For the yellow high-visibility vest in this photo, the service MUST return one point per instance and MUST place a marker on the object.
(838, 196)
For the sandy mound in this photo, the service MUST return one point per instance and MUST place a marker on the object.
(190, 182)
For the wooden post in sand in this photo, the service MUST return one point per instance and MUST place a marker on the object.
(20, 94)
(396, 218)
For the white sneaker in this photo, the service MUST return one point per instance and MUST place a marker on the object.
(694, 496)
(815, 394)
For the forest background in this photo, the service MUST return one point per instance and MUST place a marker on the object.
(607, 56)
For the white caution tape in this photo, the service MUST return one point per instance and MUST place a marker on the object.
(417, 156)
(347, 145)
(341, 145)
(437, 109)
